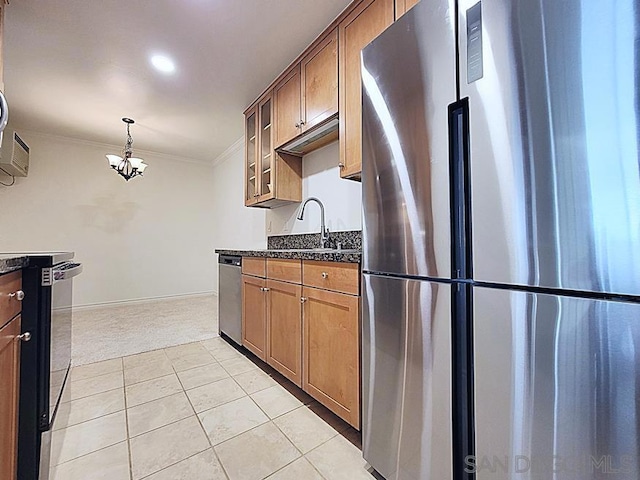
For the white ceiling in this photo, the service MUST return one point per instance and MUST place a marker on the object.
(76, 67)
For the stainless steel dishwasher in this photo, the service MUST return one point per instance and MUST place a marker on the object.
(230, 297)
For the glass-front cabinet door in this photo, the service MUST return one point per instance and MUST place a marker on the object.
(271, 179)
(251, 157)
(267, 160)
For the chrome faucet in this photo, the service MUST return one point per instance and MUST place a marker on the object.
(324, 231)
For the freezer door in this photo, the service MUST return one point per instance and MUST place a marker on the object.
(554, 128)
(408, 80)
(406, 378)
(557, 387)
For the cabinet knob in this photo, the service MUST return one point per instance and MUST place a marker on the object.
(303, 299)
(25, 337)
(341, 165)
(302, 123)
(325, 275)
(298, 125)
(19, 295)
(264, 289)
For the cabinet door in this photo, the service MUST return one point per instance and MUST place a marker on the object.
(9, 388)
(319, 76)
(403, 6)
(331, 343)
(252, 164)
(284, 321)
(287, 107)
(266, 172)
(254, 310)
(364, 24)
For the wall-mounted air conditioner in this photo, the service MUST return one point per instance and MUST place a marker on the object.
(14, 155)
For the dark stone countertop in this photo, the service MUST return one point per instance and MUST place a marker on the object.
(11, 262)
(319, 255)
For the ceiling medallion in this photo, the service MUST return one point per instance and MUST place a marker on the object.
(126, 165)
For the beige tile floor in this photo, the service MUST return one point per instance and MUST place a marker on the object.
(200, 411)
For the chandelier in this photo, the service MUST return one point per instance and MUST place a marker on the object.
(126, 165)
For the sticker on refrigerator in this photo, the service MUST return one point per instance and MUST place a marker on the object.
(474, 43)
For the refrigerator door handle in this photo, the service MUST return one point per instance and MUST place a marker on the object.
(460, 190)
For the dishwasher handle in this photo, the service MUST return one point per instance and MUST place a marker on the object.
(231, 260)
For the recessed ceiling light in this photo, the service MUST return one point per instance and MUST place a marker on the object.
(163, 64)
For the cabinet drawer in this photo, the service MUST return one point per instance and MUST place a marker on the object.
(254, 266)
(285, 270)
(10, 306)
(340, 277)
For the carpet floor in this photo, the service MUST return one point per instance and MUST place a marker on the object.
(103, 333)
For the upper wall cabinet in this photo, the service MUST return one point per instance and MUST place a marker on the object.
(308, 94)
(319, 77)
(299, 112)
(271, 179)
(251, 155)
(403, 6)
(361, 26)
(288, 107)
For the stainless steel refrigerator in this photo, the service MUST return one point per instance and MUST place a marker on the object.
(501, 241)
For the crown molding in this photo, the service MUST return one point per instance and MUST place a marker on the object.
(117, 148)
(230, 152)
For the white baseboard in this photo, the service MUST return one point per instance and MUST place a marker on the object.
(138, 301)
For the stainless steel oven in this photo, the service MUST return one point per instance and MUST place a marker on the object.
(46, 359)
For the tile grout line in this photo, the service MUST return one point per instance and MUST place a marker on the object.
(86, 454)
(224, 470)
(93, 418)
(92, 395)
(157, 428)
(146, 351)
(126, 422)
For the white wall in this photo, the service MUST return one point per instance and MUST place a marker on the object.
(149, 237)
(342, 199)
(237, 226)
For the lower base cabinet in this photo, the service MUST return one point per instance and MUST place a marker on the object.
(254, 322)
(331, 351)
(308, 334)
(284, 329)
(9, 387)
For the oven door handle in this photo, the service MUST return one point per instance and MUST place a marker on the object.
(55, 274)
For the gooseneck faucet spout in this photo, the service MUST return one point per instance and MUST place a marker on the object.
(324, 231)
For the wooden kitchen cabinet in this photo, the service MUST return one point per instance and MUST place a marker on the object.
(331, 362)
(308, 93)
(288, 107)
(258, 152)
(255, 266)
(9, 391)
(303, 319)
(339, 277)
(403, 6)
(10, 329)
(254, 315)
(252, 164)
(271, 179)
(265, 149)
(359, 28)
(284, 270)
(284, 352)
(319, 80)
